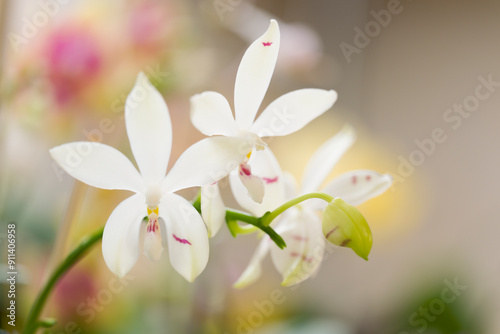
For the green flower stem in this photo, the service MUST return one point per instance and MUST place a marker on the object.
(232, 217)
(270, 216)
(243, 217)
(236, 229)
(32, 322)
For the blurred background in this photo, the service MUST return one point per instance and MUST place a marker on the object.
(419, 80)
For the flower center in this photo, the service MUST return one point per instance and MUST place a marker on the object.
(153, 195)
(254, 139)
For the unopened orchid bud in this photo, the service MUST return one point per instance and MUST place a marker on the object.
(344, 225)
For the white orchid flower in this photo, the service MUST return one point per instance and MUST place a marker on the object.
(300, 226)
(211, 115)
(171, 218)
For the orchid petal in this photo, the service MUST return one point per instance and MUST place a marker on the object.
(211, 115)
(213, 209)
(325, 158)
(120, 239)
(98, 165)
(253, 184)
(305, 247)
(265, 166)
(254, 269)
(187, 237)
(206, 162)
(292, 111)
(254, 74)
(290, 186)
(149, 129)
(358, 186)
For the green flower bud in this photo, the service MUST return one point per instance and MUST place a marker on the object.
(344, 225)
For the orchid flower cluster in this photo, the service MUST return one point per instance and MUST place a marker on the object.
(235, 148)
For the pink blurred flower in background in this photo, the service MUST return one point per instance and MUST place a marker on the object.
(150, 24)
(73, 59)
(76, 286)
(82, 63)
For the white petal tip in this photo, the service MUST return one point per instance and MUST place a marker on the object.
(388, 178)
(143, 81)
(273, 31)
(253, 184)
(249, 276)
(154, 254)
(53, 152)
(288, 283)
(349, 132)
(333, 96)
(241, 284)
(56, 150)
(212, 232)
(141, 77)
(348, 129)
(295, 278)
(257, 197)
(119, 273)
(196, 97)
(190, 277)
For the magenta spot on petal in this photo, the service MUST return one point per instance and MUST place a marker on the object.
(269, 180)
(368, 177)
(354, 179)
(267, 43)
(182, 241)
(294, 254)
(299, 238)
(246, 170)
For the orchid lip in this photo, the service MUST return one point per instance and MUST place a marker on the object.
(152, 240)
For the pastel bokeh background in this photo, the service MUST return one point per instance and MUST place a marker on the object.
(419, 81)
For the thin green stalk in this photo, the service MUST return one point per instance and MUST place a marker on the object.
(263, 223)
(232, 217)
(236, 228)
(270, 216)
(32, 322)
(243, 217)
